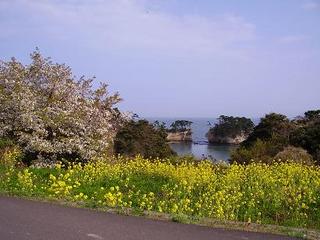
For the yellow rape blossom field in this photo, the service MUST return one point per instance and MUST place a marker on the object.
(281, 193)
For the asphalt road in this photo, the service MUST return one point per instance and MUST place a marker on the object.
(24, 219)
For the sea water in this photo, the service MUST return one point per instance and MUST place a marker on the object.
(199, 147)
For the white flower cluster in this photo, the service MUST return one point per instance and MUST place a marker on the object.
(49, 112)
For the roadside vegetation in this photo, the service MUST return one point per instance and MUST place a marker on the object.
(281, 193)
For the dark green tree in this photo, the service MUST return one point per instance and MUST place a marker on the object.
(160, 125)
(180, 126)
(141, 137)
(312, 115)
(229, 126)
(273, 125)
(307, 134)
(267, 139)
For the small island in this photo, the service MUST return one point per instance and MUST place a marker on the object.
(180, 130)
(230, 130)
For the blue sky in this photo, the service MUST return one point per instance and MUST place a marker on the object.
(179, 58)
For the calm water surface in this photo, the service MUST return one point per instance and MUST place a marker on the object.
(219, 152)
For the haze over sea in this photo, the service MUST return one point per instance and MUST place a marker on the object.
(199, 127)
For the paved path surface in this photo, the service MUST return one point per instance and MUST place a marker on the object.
(23, 219)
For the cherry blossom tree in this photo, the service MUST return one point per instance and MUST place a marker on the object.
(50, 114)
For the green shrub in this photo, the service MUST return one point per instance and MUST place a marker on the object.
(308, 137)
(260, 151)
(294, 154)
